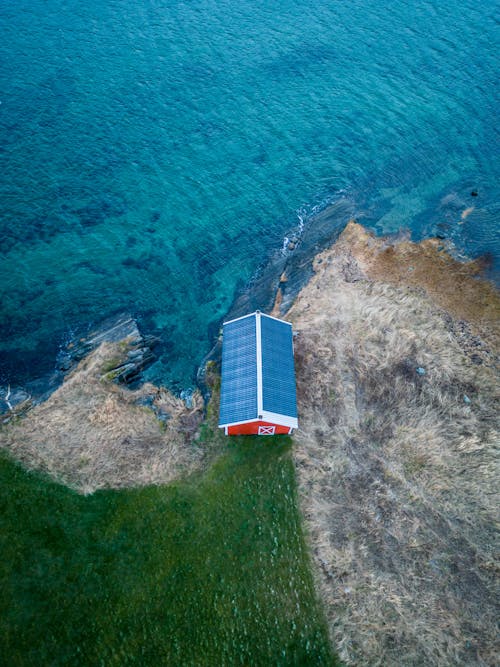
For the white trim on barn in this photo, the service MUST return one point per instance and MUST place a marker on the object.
(275, 318)
(258, 347)
(236, 319)
(265, 416)
(271, 317)
(245, 421)
(281, 420)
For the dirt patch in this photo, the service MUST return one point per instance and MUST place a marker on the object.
(396, 451)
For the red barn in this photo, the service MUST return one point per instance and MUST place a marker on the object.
(258, 377)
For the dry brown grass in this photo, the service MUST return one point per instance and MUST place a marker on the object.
(427, 265)
(398, 471)
(92, 433)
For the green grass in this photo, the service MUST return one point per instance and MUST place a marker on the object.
(211, 571)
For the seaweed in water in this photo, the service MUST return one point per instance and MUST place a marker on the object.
(99, 210)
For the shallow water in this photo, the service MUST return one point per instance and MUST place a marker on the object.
(156, 153)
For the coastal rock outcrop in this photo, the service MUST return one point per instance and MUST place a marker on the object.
(95, 431)
(121, 328)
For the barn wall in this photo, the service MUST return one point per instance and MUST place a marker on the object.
(253, 428)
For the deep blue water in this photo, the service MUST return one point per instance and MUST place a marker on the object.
(154, 153)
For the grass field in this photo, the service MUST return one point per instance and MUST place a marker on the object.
(209, 571)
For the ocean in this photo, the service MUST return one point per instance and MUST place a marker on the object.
(156, 154)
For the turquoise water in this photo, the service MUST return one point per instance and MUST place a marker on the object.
(155, 153)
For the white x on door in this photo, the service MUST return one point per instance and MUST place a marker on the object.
(267, 430)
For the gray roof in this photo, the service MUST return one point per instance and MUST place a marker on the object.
(238, 399)
(258, 376)
(278, 372)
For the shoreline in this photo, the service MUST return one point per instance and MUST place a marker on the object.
(396, 362)
(456, 288)
(318, 233)
(273, 287)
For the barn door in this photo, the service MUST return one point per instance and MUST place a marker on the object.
(267, 430)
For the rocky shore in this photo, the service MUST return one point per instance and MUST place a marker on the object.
(101, 427)
(121, 327)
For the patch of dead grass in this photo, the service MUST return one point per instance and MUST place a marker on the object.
(398, 470)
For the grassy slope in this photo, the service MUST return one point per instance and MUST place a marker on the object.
(208, 571)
